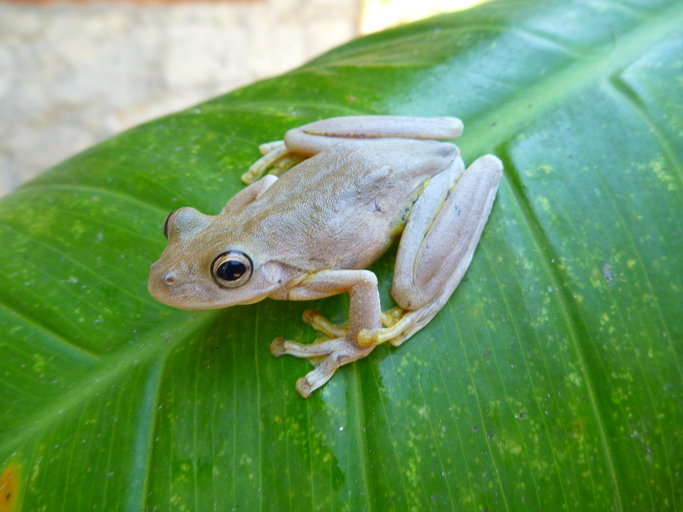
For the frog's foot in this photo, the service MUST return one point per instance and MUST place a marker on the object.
(399, 325)
(276, 157)
(326, 355)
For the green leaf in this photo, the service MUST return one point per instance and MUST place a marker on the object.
(550, 381)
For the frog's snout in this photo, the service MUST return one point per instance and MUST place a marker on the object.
(176, 286)
(160, 281)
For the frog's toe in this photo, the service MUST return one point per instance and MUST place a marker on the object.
(304, 387)
(281, 347)
(277, 347)
(312, 351)
(390, 317)
(344, 352)
(272, 152)
(321, 324)
(392, 335)
(400, 325)
(313, 380)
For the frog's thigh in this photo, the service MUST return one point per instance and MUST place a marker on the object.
(437, 245)
(315, 137)
(361, 285)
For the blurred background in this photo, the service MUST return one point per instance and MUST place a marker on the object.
(74, 73)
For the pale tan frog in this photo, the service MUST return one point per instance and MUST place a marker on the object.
(354, 185)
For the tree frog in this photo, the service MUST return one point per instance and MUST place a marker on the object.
(347, 188)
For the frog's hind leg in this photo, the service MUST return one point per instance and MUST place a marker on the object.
(318, 136)
(437, 246)
(313, 138)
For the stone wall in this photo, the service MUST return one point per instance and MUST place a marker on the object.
(74, 74)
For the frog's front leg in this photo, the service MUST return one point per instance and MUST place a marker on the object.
(364, 314)
(313, 138)
(249, 194)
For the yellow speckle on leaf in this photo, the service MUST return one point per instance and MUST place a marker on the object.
(38, 364)
(9, 488)
(544, 203)
(574, 378)
(77, 229)
(660, 171)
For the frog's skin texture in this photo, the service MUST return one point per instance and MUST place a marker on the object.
(351, 186)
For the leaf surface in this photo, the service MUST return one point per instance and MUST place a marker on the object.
(550, 381)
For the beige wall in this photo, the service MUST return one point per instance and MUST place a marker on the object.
(74, 74)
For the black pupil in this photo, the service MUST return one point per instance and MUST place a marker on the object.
(231, 270)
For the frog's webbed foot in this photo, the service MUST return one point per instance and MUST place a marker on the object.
(399, 325)
(276, 157)
(327, 355)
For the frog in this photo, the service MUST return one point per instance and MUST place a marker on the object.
(321, 206)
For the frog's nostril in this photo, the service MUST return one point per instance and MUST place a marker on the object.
(169, 278)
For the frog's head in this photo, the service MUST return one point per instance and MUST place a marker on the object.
(201, 269)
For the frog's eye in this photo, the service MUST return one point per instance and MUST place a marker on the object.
(168, 218)
(231, 269)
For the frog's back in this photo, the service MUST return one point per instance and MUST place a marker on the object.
(341, 208)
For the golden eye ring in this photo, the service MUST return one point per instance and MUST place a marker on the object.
(231, 269)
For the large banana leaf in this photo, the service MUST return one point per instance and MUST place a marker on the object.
(550, 381)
